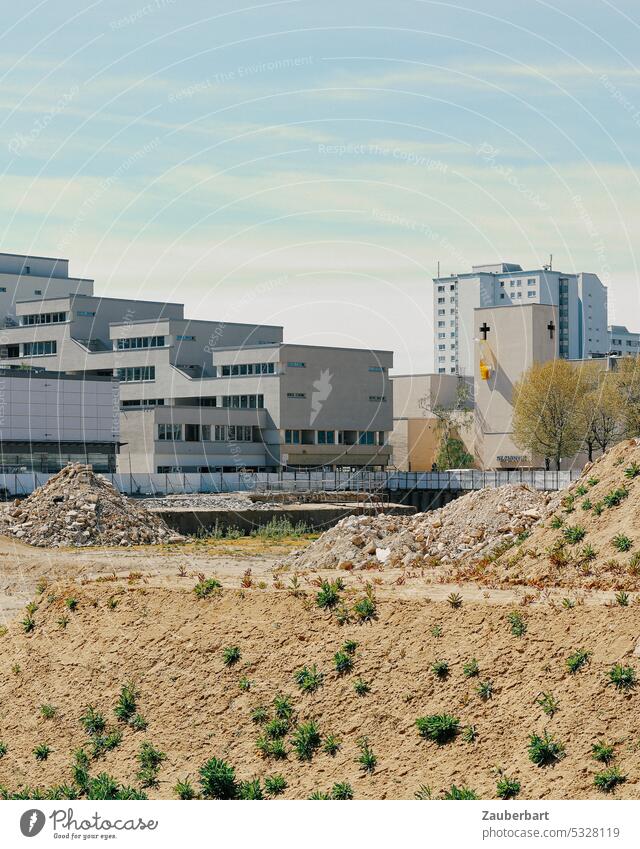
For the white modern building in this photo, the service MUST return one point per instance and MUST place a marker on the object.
(207, 396)
(580, 299)
(623, 342)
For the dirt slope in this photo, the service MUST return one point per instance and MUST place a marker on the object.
(170, 645)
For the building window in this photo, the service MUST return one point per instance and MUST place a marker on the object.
(326, 437)
(441, 323)
(502, 284)
(380, 369)
(186, 338)
(441, 300)
(531, 294)
(3, 288)
(37, 291)
(248, 369)
(43, 318)
(452, 287)
(518, 294)
(145, 402)
(366, 437)
(135, 343)
(502, 295)
(296, 365)
(296, 395)
(192, 433)
(442, 347)
(84, 313)
(441, 370)
(378, 398)
(292, 437)
(441, 312)
(243, 402)
(137, 374)
(440, 288)
(532, 282)
(169, 432)
(27, 270)
(441, 358)
(239, 433)
(442, 335)
(39, 349)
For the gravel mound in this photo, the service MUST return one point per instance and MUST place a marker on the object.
(77, 507)
(206, 501)
(470, 527)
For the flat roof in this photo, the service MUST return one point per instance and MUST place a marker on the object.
(36, 256)
(98, 298)
(9, 371)
(258, 346)
(192, 321)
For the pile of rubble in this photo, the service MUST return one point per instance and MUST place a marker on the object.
(206, 501)
(77, 507)
(470, 527)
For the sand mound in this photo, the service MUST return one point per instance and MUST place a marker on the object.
(170, 645)
(591, 537)
(471, 527)
(77, 507)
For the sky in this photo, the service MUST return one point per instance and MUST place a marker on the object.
(311, 163)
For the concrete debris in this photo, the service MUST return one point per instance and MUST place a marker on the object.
(209, 501)
(77, 507)
(470, 527)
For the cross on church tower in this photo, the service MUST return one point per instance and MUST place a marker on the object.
(484, 330)
(551, 328)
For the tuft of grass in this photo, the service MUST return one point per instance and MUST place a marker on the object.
(424, 793)
(440, 669)
(329, 594)
(366, 758)
(632, 471)
(574, 534)
(218, 780)
(588, 553)
(485, 690)
(277, 728)
(270, 748)
(593, 481)
(184, 790)
(207, 587)
(306, 740)
(126, 706)
(361, 687)
(602, 752)
(557, 522)
(63, 621)
(92, 721)
(318, 795)
(150, 760)
(138, 722)
(436, 630)
(3, 749)
(568, 603)
(622, 677)
(71, 603)
(342, 790)
(282, 528)
(101, 743)
(112, 603)
(455, 600)
(231, 655)
(517, 622)
(507, 788)
(544, 749)
(598, 508)
(586, 504)
(577, 660)
(622, 542)
(250, 790)
(48, 711)
(28, 624)
(283, 707)
(244, 684)
(42, 752)
(622, 598)
(634, 564)
(609, 779)
(615, 497)
(470, 734)
(342, 662)
(471, 668)
(548, 703)
(331, 745)
(581, 490)
(365, 608)
(459, 794)
(275, 785)
(350, 646)
(439, 727)
(259, 715)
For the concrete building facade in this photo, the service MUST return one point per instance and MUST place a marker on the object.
(623, 342)
(580, 301)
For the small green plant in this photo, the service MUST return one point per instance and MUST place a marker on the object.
(507, 788)
(574, 534)
(634, 563)
(63, 621)
(588, 553)
(331, 745)
(3, 749)
(586, 504)
(306, 740)
(470, 734)
(272, 748)
(112, 603)
(622, 542)
(616, 497)
(622, 677)
(598, 508)
(48, 711)
(581, 490)
(341, 791)
(350, 646)
(244, 684)
(577, 660)
(548, 703)
(28, 624)
(31, 608)
(609, 779)
(485, 690)
(455, 600)
(71, 603)
(365, 608)
(342, 662)
(568, 502)
(101, 743)
(440, 669)
(126, 704)
(436, 630)
(329, 594)
(318, 795)
(459, 794)
(203, 589)
(275, 785)
(250, 790)
(424, 793)
(544, 749)
(92, 721)
(283, 707)
(593, 481)
(231, 655)
(259, 715)
(361, 687)
(602, 752)
(366, 758)
(622, 598)
(557, 522)
(150, 759)
(138, 722)
(218, 780)
(42, 752)
(517, 622)
(277, 728)
(439, 727)
(568, 603)
(184, 790)
(471, 668)
(632, 471)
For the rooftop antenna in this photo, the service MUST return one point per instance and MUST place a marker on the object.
(438, 268)
(550, 261)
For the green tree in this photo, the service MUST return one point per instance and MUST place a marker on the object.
(627, 383)
(452, 454)
(451, 418)
(602, 408)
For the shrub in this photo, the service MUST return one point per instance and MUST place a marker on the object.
(622, 542)
(485, 690)
(275, 785)
(581, 490)
(548, 703)
(440, 669)
(577, 660)
(598, 508)
(259, 715)
(455, 600)
(48, 711)
(507, 788)
(207, 587)
(231, 655)
(471, 668)
(71, 603)
(277, 728)
(126, 706)
(149, 759)
(459, 794)
(608, 779)
(42, 752)
(283, 707)
(101, 743)
(361, 687)
(184, 790)
(250, 790)
(343, 662)
(329, 594)
(308, 679)
(350, 646)
(517, 623)
(331, 745)
(574, 534)
(544, 750)
(557, 522)
(218, 780)
(366, 759)
(365, 609)
(342, 790)
(586, 504)
(272, 748)
(622, 677)
(80, 769)
(593, 481)
(616, 497)
(306, 740)
(439, 727)
(28, 624)
(622, 598)
(92, 721)
(602, 752)
(632, 471)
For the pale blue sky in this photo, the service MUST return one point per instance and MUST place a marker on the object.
(310, 163)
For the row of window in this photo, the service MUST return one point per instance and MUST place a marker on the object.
(519, 295)
(205, 433)
(630, 343)
(242, 369)
(148, 402)
(136, 374)
(43, 318)
(531, 281)
(328, 437)
(138, 342)
(39, 349)
(243, 402)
